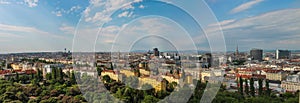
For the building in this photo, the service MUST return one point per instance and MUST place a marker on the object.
(206, 60)
(155, 52)
(156, 84)
(276, 75)
(283, 54)
(292, 83)
(127, 73)
(171, 78)
(112, 74)
(256, 54)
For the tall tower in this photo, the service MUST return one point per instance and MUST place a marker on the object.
(237, 50)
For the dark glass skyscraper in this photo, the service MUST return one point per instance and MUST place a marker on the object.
(256, 54)
(283, 54)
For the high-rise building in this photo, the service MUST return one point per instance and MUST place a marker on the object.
(155, 52)
(283, 54)
(256, 54)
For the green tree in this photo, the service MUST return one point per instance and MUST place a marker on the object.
(73, 78)
(246, 87)
(241, 85)
(53, 73)
(17, 76)
(252, 89)
(260, 86)
(39, 75)
(48, 76)
(268, 91)
(99, 70)
(60, 74)
(150, 99)
(106, 79)
(148, 89)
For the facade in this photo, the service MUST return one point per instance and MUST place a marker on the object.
(290, 86)
(155, 52)
(283, 54)
(276, 75)
(256, 54)
(157, 85)
(144, 72)
(292, 83)
(127, 73)
(112, 74)
(171, 78)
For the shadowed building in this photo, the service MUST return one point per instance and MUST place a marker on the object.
(256, 54)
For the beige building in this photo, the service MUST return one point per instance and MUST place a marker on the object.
(290, 86)
(157, 85)
(144, 72)
(127, 73)
(112, 74)
(17, 66)
(276, 75)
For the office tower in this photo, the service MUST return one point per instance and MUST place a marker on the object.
(155, 52)
(256, 54)
(283, 54)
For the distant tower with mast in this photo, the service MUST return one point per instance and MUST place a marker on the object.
(237, 50)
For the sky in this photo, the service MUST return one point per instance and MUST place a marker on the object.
(124, 25)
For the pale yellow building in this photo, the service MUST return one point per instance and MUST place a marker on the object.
(16, 66)
(290, 86)
(112, 74)
(276, 75)
(144, 72)
(127, 73)
(171, 78)
(157, 85)
(206, 74)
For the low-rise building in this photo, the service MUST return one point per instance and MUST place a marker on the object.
(275, 75)
(112, 74)
(292, 83)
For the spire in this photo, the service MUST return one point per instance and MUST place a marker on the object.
(237, 50)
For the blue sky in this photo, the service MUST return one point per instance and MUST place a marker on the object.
(42, 25)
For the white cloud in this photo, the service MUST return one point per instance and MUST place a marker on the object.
(60, 12)
(125, 14)
(67, 29)
(31, 3)
(277, 27)
(24, 29)
(224, 22)
(4, 2)
(57, 13)
(100, 10)
(245, 6)
(142, 6)
(74, 8)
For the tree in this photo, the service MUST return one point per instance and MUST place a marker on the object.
(252, 89)
(53, 73)
(148, 89)
(73, 78)
(39, 75)
(260, 86)
(150, 99)
(241, 85)
(17, 76)
(60, 74)
(48, 76)
(246, 87)
(99, 70)
(268, 92)
(106, 79)
(32, 74)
